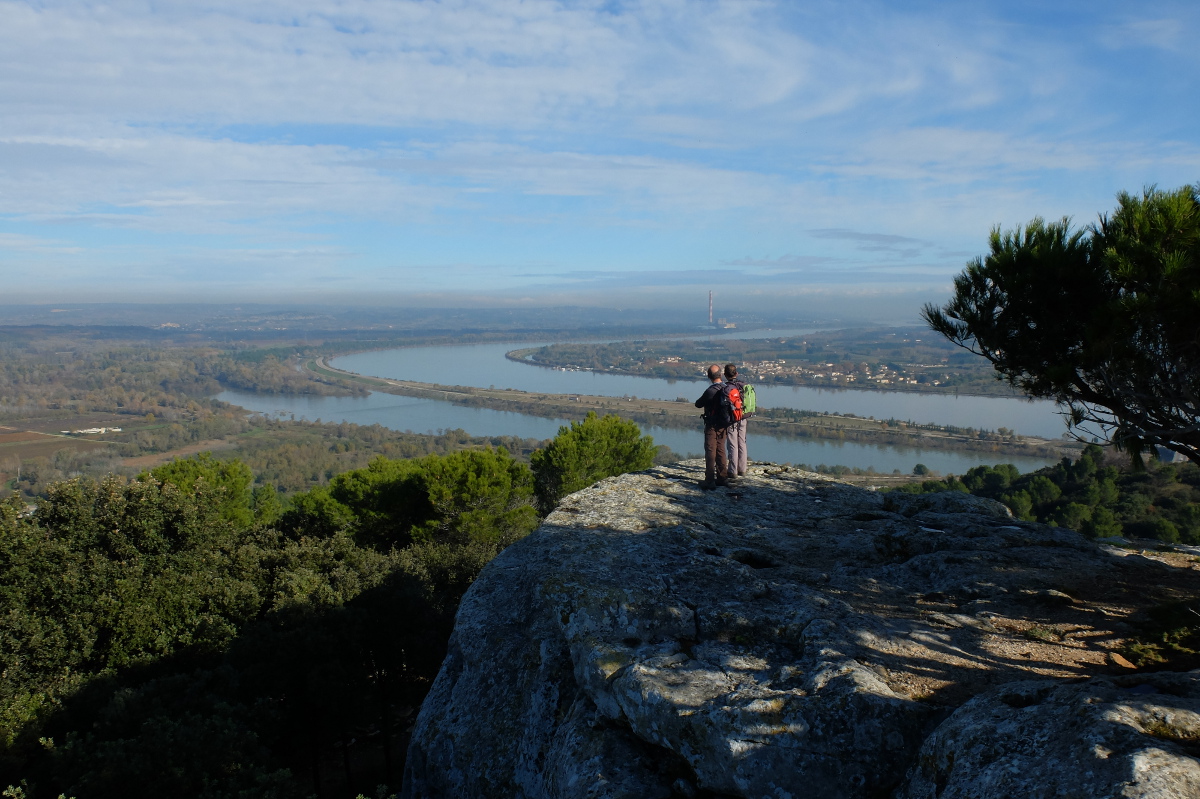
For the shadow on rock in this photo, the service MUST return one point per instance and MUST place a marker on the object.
(790, 636)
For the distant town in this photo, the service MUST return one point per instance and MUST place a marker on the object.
(866, 359)
(782, 371)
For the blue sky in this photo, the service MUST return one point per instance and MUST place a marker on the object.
(457, 152)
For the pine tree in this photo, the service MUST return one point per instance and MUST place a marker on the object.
(586, 452)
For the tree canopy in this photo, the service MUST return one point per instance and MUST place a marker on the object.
(157, 638)
(1087, 495)
(231, 478)
(481, 496)
(587, 451)
(1102, 320)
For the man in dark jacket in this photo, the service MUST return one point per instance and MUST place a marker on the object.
(715, 464)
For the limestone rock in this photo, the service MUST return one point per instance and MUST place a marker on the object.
(790, 637)
(1127, 737)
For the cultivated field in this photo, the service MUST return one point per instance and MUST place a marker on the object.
(30, 444)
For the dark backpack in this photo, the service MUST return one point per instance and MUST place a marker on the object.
(729, 407)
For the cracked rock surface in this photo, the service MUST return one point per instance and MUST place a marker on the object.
(792, 636)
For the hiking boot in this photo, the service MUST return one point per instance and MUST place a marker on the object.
(723, 482)
(708, 485)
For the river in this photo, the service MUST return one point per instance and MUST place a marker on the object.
(484, 365)
(429, 416)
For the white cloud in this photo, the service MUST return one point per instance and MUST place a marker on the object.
(205, 133)
(523, 66)
(1174, 33)
(168, 182)
(17, 243)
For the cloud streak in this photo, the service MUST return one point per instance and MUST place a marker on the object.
(395, 143)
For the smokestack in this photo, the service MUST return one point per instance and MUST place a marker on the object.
(710, 309)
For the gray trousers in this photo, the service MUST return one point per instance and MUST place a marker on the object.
(735, 447)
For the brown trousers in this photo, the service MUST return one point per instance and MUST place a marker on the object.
(715, 464)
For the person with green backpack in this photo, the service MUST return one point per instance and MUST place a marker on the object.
(735, 436)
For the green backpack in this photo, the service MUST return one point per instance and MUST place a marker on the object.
(749, 405)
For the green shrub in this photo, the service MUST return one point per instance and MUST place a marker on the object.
(1074, 515)
(230, 478)
(1042, 490)
(1020, 504)
(466, 495)
(1103, 524)
(1167, 638)
(586, 452)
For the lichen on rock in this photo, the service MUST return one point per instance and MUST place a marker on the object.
(791, 637)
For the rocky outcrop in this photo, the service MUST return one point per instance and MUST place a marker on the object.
(1129, 737)
(791, 637)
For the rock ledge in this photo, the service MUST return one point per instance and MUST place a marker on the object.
(796, 636)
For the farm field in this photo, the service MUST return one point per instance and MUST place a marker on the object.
(54, 425)
(28, 443)
(19, 446)
(31, 444)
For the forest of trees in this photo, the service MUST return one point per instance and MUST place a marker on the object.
(137, 378)
(293, 456)
(1159, 501)
(186, 633)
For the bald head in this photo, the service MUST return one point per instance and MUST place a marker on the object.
(714, 373)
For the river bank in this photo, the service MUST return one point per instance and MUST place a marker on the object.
(695, 372)
(683, 415)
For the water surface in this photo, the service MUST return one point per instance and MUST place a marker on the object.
(484, 365)
(420, 415)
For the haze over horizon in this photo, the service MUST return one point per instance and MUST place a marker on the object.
(824, 156)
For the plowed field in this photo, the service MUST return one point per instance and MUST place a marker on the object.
(26, 444)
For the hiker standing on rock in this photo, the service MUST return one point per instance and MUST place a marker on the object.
(735, 437)
(716, 425)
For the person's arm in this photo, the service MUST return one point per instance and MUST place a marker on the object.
(706, 396)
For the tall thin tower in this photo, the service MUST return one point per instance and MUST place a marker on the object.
(710, 309)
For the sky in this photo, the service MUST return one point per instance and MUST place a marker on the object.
(778, 153)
